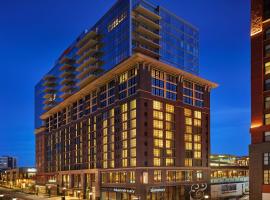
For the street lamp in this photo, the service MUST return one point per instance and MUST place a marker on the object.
(206, 197)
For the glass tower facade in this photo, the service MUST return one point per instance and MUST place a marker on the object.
(129, 27)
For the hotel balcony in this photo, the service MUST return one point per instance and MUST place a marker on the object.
(87, 61)
(146, 12)
(146, 41)
(49, 95)
(144, 50)
(49, 106)
(87, 53)
(67, 88)
(86, 70)
(49, 90)
(91, 43)
(49, 78)
(89, 77)
(67, 66)
(141, 29)
(65, 59)
(89, 35)
(148, 22)
(66, 95)
(68, 81)
(68, 74)
(48, 102)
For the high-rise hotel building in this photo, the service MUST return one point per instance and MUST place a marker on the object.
(260, 100)
(123, 113)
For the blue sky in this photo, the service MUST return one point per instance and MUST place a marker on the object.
(34, 33)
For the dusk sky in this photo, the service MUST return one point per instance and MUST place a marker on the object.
(34, 33)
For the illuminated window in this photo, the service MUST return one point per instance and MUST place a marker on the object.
(169, 135)
(169, 117)
(267, 119)
(187, 112)
(158, 143)
(168, 144)
(158, 133)
(197, 122)
(132, 114)
(188, 146)
(199, 175)
(158, 124)
(197, 146)
(133, 143)
(133, 104)
(133, 162)
(124, 162)
(266, 177)
(197, 138)
(124, 135)
(169, 126)
(157, 105)
(188, 138)
(157, 175)
(132, 177)
(133, 123)
(188, 121)
(188, 129)
(158, 115)
(169, 108)
(267, 68)
(157, 162)
(197, 155)
(188, 162)
(169, 162)
(123, 77)
(124, 107)
(197, 114)
(145, 178)
(156, 152)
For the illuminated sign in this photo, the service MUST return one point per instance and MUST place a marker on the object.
(31, 170)
(124, 190)
(153, 190)
(118, 20)
(120, 190)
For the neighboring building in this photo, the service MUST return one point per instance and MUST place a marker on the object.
(229, 176)
(7, 162)
(109, 126)
(260, 100)
(22, 177)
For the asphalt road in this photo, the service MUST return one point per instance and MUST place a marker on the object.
(10, 194)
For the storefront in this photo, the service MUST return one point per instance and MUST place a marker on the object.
(118, 194)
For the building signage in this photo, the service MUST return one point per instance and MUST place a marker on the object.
(154, 190)
(52, 181)
(31, 170)
(197, 191)
(120, 190)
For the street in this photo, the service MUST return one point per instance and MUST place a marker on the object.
(10, 194)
